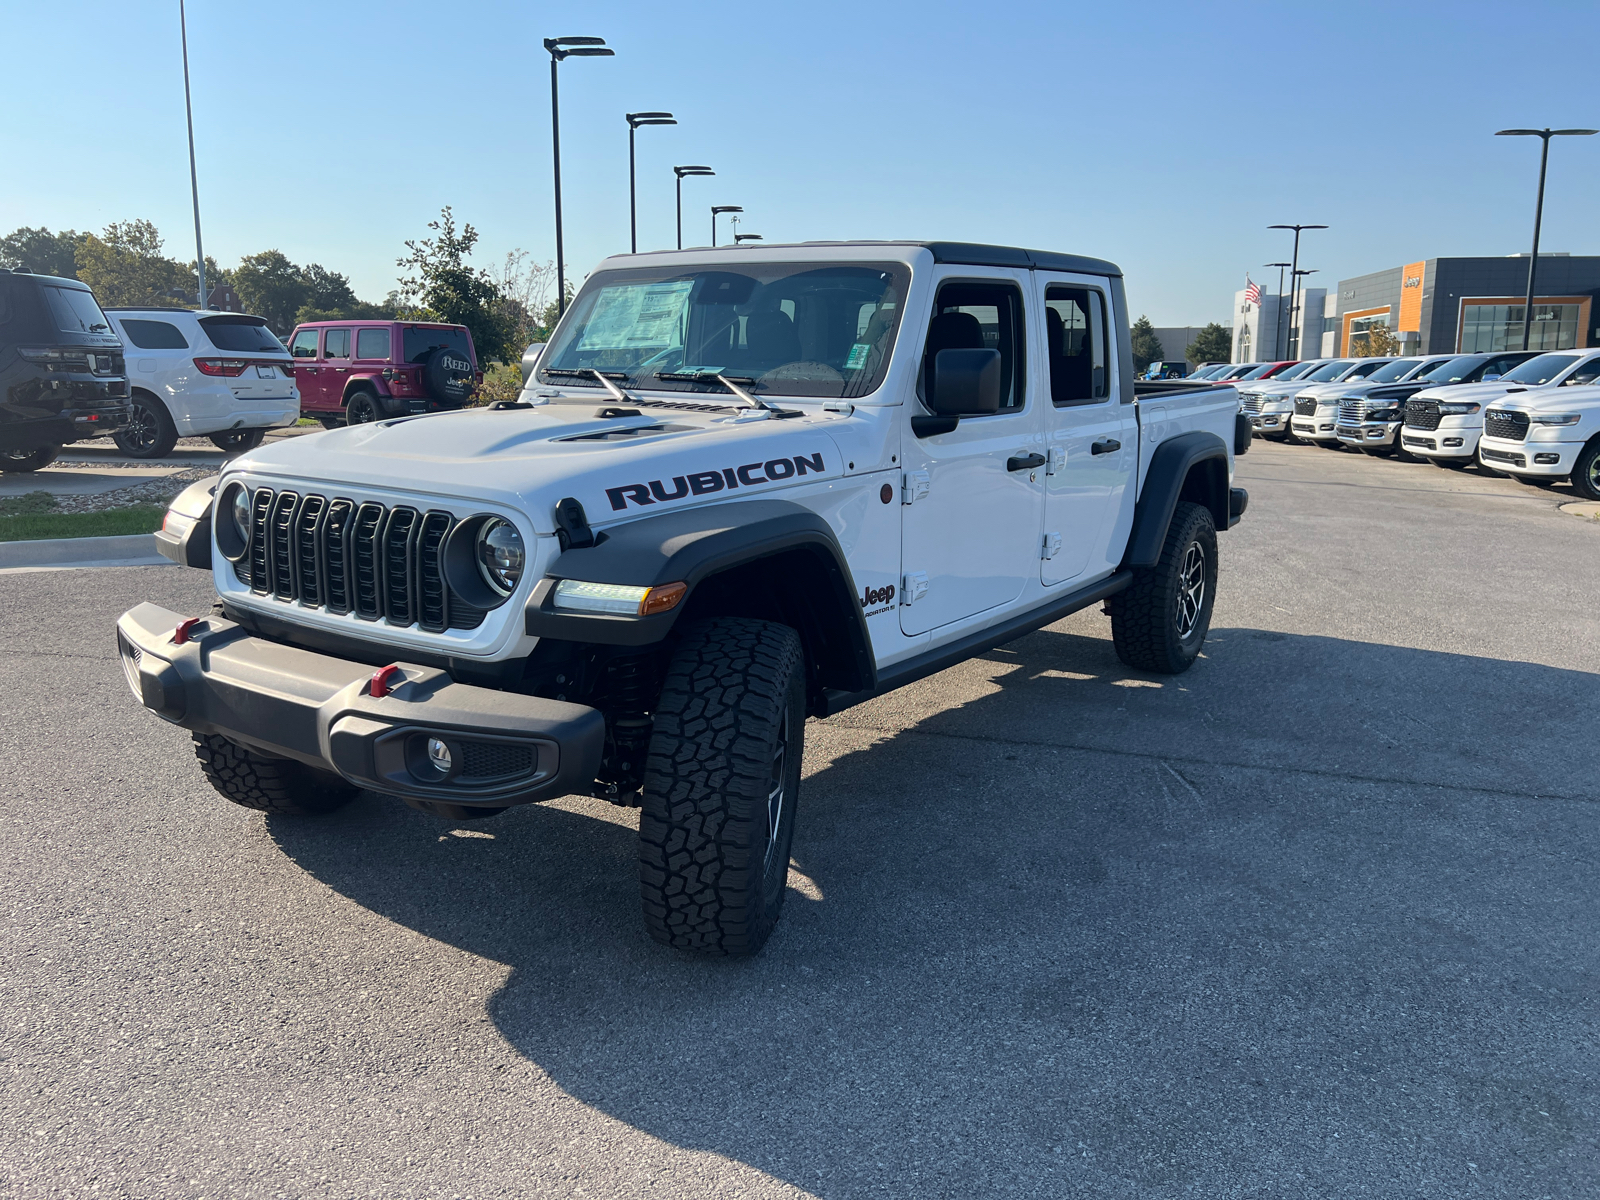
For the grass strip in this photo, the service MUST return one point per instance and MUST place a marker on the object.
(33, 527)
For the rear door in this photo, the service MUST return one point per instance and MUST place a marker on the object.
(1089, 433)
(971, 506)
(335, 365)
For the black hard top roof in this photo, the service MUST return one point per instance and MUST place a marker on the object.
(72, 283)
(964, 253)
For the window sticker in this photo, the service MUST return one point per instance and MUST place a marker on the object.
(638, 317)
(857, 357)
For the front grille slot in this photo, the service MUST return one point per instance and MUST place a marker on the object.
(1422, 414)
(1352, 412)
(495, 760)
(1502, 423)
(376, 563)
(1305, 408)
(1251, 403)
(1505, 456)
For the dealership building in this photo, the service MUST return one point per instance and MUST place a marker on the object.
(1440, 306)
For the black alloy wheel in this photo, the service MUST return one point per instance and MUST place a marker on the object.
(1586, 472)
(1160, 621)
(237, 441)
(362, 408)
(149, 432)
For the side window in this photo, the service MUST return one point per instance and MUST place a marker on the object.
(981, 316)
(336, 344)
(1075, 345)
(304, 344)
(1500, 366)
(154, 335)
(1586, 374)
(372, 343)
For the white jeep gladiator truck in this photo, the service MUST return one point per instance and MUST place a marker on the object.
(743, 487)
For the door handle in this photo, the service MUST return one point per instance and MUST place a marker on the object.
(1024, 462)
(1105, 446)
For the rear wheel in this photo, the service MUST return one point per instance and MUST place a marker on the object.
(270, 785)
(1540, 481)
(1586, 472)
(720, 785)
(329, 422)
(149, 432)
(1160, 621)
(362, 408)
(237, 441)
(21, 461)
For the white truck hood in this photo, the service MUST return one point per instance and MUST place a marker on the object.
(1554, 398)
(528, 459)
(1456, 393)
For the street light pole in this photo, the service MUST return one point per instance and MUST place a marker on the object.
(716, 211)
(1277, 337)
(1300, 340)
(634, 121)
(1544, 135)
(680, 172)
(560, 48)
(194, 182)
(1294, 285)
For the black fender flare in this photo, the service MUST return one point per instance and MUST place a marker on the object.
(191, 548)
(691, 546)
(1170, 467)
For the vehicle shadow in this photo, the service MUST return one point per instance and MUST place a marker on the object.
(1089, 932)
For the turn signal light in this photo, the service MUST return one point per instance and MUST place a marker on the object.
(229, 367)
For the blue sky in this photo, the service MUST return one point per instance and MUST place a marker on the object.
(1163, 136)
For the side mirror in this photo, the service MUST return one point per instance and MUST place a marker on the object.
(1490, 378)
(965, 383)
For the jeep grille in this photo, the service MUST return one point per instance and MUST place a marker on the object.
(353, 559)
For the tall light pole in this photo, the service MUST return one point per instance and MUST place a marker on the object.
(1294, 281)
(634, 121)
(716, 211)
(194, 181)
(560, 48)
(1294, 284)
(1544, 135)
(1277, 337)
(680, 172)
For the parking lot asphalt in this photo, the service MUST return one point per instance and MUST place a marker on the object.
(1314, 919)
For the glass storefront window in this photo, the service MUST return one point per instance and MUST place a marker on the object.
(1488, 328)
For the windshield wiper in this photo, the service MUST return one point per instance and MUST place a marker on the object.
(732, 384)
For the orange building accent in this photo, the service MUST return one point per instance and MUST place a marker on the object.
(1411, 297)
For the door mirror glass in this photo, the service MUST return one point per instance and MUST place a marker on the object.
(965, 383)
(1490, 378)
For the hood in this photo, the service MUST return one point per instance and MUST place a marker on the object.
(1550, 398)
(1324, 391)
(1459, 392)
(529, 458)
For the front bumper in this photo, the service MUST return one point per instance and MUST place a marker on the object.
(1372, 434)
(1321, 427)
(1523, 458)
(1270, 422)
(1447, 441)
(506, 748)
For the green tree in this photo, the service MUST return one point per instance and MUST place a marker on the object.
(1375, 342)
(271, 287)
(1145, 344)
(440, 286)
(1214, 344)
(42, 252)
(124, 265)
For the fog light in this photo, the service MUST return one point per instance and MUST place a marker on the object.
(439, 756)
(1375, 434)
(1547, 460)
(1452, 441)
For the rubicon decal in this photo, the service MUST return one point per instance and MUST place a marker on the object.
(703, 483)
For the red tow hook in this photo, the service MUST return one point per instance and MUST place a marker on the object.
(385, 680)
(185, 629)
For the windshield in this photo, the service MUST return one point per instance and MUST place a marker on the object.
(241, 334)
(1329, 371)
(1454, 370)
(417, 344)
(1295, 371)
(1540, 370)
(1258, 372)
(1393, 371)
(75, 310)
(1362, 369)
(787, 329)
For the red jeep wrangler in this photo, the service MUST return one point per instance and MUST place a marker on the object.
(352, 372)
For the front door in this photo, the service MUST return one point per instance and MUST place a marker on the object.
(1090, 435)
(307, 369)
(970, 514)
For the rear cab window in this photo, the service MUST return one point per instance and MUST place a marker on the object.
(241, 335)
(153, 335)
(372, 344)
(1075, 344)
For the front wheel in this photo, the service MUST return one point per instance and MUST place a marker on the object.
(23, 461)
(720, 785)
(1586, 472)
(1160, 621)
(270, 785)
(237, 441)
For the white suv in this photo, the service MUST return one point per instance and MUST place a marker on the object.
(190, 374)
(1548, 434)
(1444, 424)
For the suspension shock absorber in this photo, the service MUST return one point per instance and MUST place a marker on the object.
(629, 696)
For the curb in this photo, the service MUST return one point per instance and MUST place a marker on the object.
(130, 550)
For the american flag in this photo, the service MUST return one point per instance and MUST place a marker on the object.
(1252, 291)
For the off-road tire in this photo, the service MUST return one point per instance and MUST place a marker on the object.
(237, 441)
(27, 461)
(1145, 618)
(362, 407)
(712, 873)
(269, 785)
(149, 432)
(1586, 472)
(328, 422)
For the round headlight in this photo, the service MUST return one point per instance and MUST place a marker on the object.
(241, 512)
(500, 555)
